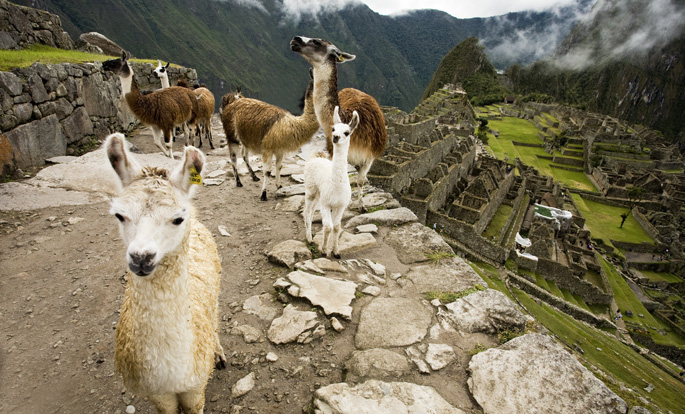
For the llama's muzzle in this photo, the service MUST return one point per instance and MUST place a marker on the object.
(142, 264)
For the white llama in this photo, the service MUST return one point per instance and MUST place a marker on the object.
(162, 73)
(167, 342)
(327, 184)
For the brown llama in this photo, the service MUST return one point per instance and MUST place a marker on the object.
(162, 109)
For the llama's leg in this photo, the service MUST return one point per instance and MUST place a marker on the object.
(157, 135)
(327, 230)
(279, 161)
(197, 140)
(310, 202)
(208, 133)
(266, 162)
(165, 403)
(337, 229)
(219, 356)
(169, 144)
(246, 159)
(186, 134)
(193, 401)
(233, 151)
(361, 180)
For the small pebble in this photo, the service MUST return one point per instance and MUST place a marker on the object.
(130, 409)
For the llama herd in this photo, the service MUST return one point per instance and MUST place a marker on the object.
(167, 343)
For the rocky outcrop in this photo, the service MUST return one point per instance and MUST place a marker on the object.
(534, 374)
(487, 311)
(21, 27)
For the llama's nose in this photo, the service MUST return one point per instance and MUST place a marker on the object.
(336, 139)
(142, 264)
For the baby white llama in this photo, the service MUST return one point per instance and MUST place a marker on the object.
(162, 73)
(327, 184)
(167, 342)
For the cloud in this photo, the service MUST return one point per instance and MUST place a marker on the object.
(257, 4)
(295, 10)
(624, 30)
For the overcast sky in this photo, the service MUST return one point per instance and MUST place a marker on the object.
(464, 8)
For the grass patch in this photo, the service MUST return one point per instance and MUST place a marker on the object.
(490, 275)
(626, 300)
(594, 278)
(449, 297)
(12, 59)
(498, 221)
(661, 276)
(478, 349)
(436, 256)
(376, 208)
(507, 335)
(604, 222)
(514, 129)
(611, 356)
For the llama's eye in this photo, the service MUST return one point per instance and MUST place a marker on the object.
(316, 42)
(119, 217)
(178, 220)
(347, 133)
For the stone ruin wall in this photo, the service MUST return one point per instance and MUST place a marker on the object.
(21, 27)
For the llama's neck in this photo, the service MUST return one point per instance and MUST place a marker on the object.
(165, 81)
(339, 164)
(325, 93)
(127, 81)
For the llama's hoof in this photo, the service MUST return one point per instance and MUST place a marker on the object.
(263, 197)
(220, 362)
(211, 145)
(336, 255)
(238, 184)
(323, 254)
(255, 178)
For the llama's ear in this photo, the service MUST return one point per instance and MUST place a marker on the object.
(336, 115)
(122, 163)
(344, 56)
(159, 62)
(123, 56)
(167, 65)
(188, 172)
(354, 122)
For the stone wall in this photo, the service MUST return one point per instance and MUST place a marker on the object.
(51, 110)
(563, 277)
(21, 27)
(646, 225)
(564, 306)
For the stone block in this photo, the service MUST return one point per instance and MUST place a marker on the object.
(32, 143)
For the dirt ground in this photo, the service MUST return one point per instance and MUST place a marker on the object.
(62, 283)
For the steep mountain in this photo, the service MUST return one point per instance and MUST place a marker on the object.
(468, 65)
(238, 42)
(627, 60)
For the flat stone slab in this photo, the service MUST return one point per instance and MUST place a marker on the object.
(367, 228)
(486, 311)
(292, 203)
(378, 397)
(534, 374)
(413, 242)
(289, 252)
(291, 324)
(263, 306)
(334, 296)
(449, 275)
(291, 190)
(392, 217)
(389, 322)
(377, 363)
(349, 243)
(321, 266)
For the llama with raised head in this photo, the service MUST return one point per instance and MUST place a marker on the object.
(167, 343)
(370, 138)
(162, 109)
(162, 72)
(265, 129)
(327, 185)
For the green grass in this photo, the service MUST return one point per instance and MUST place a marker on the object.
(515, 225)
(491, 276)
(604, 222)
(611, 356)
(12, 59)
(498, 221)
(437, 256)
(626, 300)
(661, 276)
(594, 278)
(449, 297)
(521, 130)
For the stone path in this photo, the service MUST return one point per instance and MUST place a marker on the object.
(402, 352)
